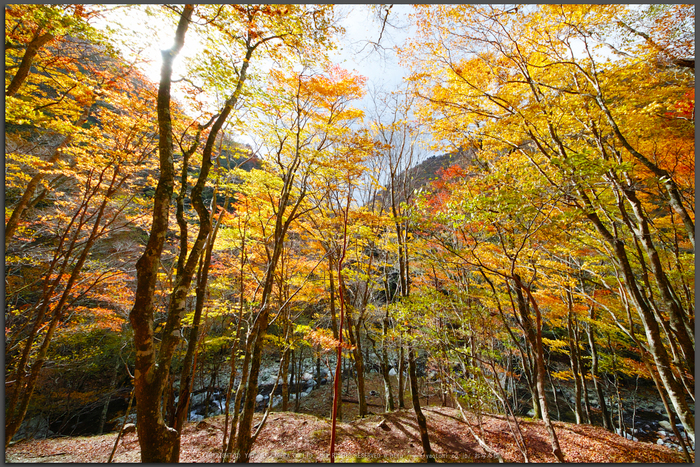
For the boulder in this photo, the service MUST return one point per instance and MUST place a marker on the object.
(37, 427)
(198, 399)
(665, 425)
(129, 428)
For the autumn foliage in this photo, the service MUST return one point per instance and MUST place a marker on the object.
(550, 246)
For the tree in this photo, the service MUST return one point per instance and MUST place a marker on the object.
(90, 201)
(511, 78)
(248, 29)
(55, 103)
(309, 114)
(398, 137)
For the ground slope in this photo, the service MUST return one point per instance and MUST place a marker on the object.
(391, 437)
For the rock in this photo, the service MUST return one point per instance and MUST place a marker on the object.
(307, 376)
(666, 425)
(392, 372)
(259, 398)
(130, 419)
(198, 399)
(129, 428)
(660, 442)
(37, 426)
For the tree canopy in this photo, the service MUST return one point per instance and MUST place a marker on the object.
(262, 202)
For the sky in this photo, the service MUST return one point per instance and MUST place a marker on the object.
(139, 33)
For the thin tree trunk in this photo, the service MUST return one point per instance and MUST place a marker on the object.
(388, 389)
(651, 326)
(607, 422)
(354, 336)
(237, 402)
(573, 358)
(284, 365)
(112, 387)
(23, 385)
(121, 429)
(225, 449)
(402, 369)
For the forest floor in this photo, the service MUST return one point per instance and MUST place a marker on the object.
(293, 437)
(379, 437)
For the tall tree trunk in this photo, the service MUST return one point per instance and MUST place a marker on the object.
(415, 398)
(573, 358)
(535, 338)
(245, 438)
(155, 438)
(225, 451)
(651, 326)
(354, 336)
(677, 319)
(388, 388)
(112, 387)
(597, 384)
(401, 369)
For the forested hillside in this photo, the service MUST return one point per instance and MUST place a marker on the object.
(509, 234)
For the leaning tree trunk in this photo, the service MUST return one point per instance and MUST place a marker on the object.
(651, 326)
(245, 437)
